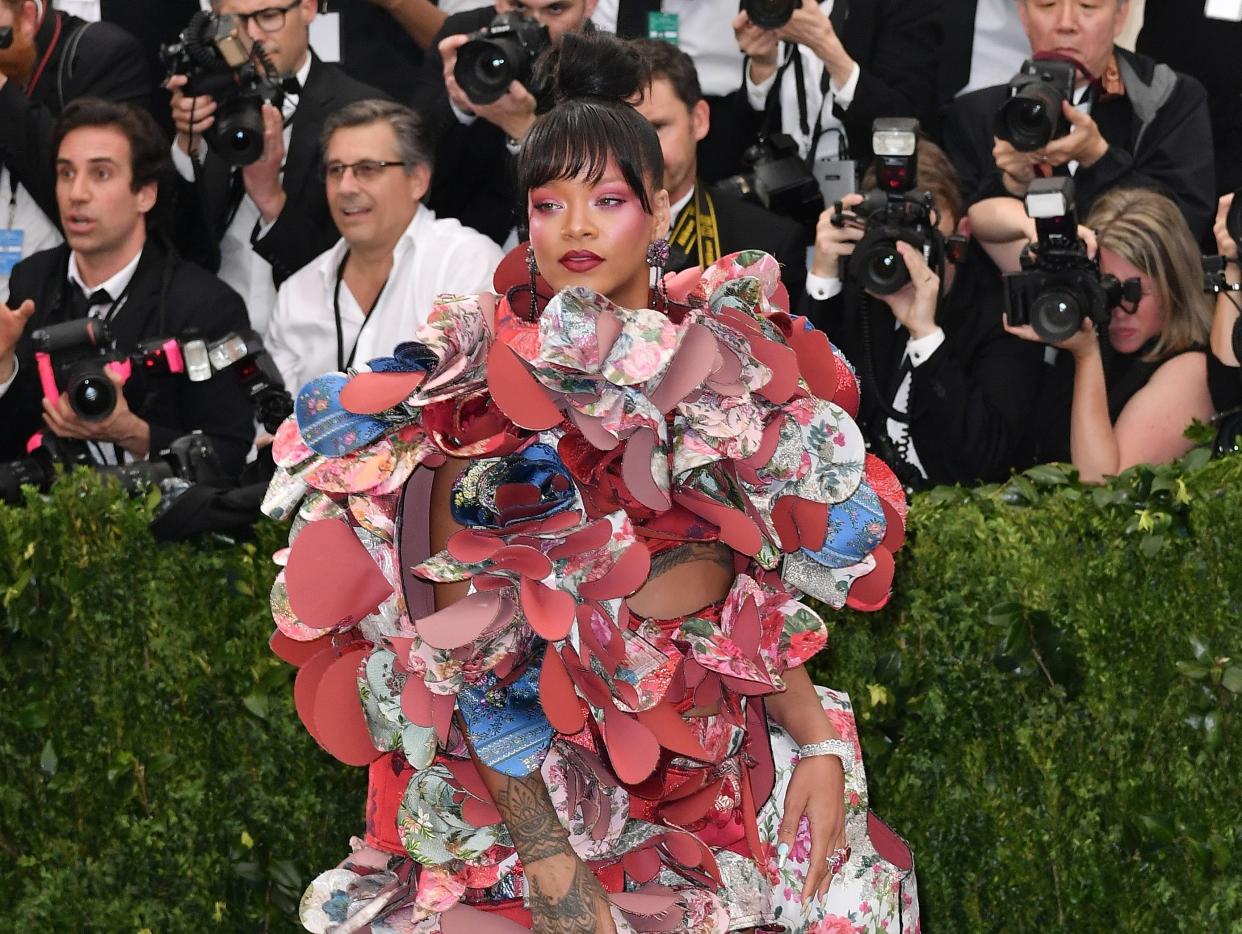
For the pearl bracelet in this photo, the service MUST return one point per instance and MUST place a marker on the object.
(830, 747)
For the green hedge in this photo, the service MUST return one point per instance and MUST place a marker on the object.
(1047, 705)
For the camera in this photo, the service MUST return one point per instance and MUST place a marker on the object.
(75, 358)
(254, 366)
(893, 211)
(1060, 285)
(1032, 116)
(1233, 220)
(212, 54)
(500, 53)
(778, 179)
(770, 14)
(190, 458)
(6, 38)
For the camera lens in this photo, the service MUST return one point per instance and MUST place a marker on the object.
(1057, 314)
(769, 14)
(91, 395)
(881, 270)
(1030, 118)
(485, 68)
(237, 134)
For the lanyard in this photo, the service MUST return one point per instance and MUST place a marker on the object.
(341, 362)
(38, 72)
(12, 200)
(697, 226)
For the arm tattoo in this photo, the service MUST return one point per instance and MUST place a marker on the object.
(578, 911)
(715, 552)
(529, 814)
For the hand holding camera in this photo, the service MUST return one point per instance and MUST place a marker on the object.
(12, 323)
(119, 426)
(834, 241)
(490, 73)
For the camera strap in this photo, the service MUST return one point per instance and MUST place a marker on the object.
(697, 229)
(341, 362)
(51, 47)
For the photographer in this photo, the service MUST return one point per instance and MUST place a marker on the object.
(945, 391)
(837, 65)
(258, 224)
(705, 224)
(1126, 122)
(474, 172)
(1111, 401)
(52, 58)
(1224, 369)
(109, 162)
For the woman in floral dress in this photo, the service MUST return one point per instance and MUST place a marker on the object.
(545, 581)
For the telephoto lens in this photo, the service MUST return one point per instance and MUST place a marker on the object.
(502, 52)
(92, 396)
(1031, 118)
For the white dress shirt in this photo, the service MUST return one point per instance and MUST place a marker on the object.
(1000, 45)
(244, 270)
(704, 32)
(433, 257)
(918, 351)
(818, 104)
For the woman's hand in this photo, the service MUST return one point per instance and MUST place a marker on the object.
(1083, 344)
(1226, 246)
(914, 305)
(817, 792)
(833, 243)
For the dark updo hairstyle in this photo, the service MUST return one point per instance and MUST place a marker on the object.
(591, 78)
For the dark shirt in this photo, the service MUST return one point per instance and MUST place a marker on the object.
(970, 400)
(161, 301)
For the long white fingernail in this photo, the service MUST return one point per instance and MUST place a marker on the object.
(782, 854)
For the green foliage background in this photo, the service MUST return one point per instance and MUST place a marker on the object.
(1049, 710)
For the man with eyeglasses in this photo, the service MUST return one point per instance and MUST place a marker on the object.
(375, 288)
(259, 224)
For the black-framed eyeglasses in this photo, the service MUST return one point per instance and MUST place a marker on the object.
(365, 170)
(269, 19)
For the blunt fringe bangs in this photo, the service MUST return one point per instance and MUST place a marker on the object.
(580, 136)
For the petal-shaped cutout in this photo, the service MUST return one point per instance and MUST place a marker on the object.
(556, 692)
(462, 919)
(524, 560)
(306, 685)
(692, 808)
(695, 359)
(480, 813)
(686, 848)
(671, 731)
(871, 592)
(623, 578)
(471, 547)
(464, 621)
(812, 521)
(593, 430)
(523, 400)
(637, 464)
(339, 719)
(594, 536)
(326, 427)
(784, 523)
(895, 528)
(332, 579)
(783, 362)
(642, 865)
(416, 701)
(294, 652)
(737, 530)
(631, 747)
(550, 612)
(288, 450)
(442, 707)
(746, 629)
(816, 361)
(767, 445)
(371, 393)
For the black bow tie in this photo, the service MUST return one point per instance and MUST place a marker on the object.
(80, 304)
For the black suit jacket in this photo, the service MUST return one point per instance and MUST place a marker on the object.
(745, 226)
(107, 63)
(153, 23)
(1172, 152)
(474, 178)
(896, 43)
(173, 406)
(304, 228)
(972, 398)
(958, 46)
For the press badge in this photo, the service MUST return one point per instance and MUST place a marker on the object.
(836, 177)
(662, 25)
(10, 250)
(1228, 10)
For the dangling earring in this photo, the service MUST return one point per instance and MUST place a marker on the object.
(533, 268)
(657, 259)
